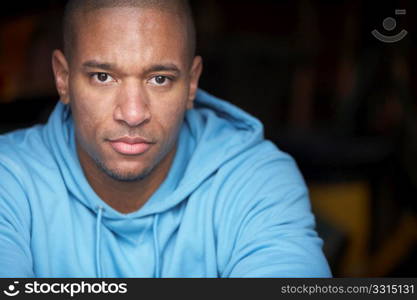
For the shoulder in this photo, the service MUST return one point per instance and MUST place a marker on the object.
(25, 147)
(263, 216)
(264, 168)
(25, 155)
(15, 182)
(259, 180)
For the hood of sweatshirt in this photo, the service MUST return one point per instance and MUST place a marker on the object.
(213, 133)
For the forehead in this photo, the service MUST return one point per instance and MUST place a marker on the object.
(130, 36)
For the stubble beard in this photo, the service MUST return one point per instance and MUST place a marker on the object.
(119, 175)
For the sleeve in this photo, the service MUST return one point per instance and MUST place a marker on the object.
(15, 254)
(275, 227)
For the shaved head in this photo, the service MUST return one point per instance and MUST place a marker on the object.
(129, 74)
(76, 10)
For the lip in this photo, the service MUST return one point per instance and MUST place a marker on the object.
(130, 146)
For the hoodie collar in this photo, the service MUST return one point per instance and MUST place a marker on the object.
(210, 124)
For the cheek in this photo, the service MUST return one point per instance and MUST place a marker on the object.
(171, 107)
(87, 114)
(84, 128)
(170, 117)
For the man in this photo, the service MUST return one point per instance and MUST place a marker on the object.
(138, 173)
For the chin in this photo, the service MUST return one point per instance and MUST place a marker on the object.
(127, 175)
(125, 172)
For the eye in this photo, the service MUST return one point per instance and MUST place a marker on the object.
(160, 80)
(102, 77)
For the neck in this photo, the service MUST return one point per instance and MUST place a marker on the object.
(124, 197)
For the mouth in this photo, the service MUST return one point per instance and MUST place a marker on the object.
(130, 146)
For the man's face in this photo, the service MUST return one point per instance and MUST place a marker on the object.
(129, 83)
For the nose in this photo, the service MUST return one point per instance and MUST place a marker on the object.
(133, 105)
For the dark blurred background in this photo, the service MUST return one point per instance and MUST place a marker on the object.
(335, 97)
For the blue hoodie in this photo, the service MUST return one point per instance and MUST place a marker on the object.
(232, 205)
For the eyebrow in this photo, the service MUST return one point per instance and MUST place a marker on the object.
(162, 67)
(110, 67)
(99, 65)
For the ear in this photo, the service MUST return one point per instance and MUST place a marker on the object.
(61, 74)
(196, 70)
